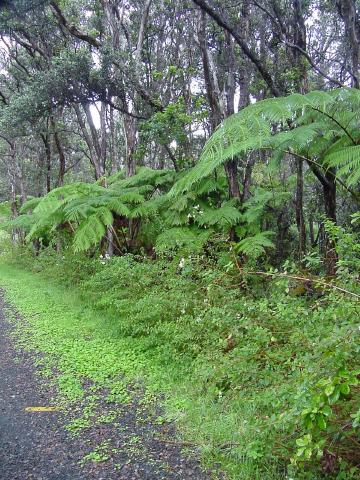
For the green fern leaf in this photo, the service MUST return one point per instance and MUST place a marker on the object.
(255, 246)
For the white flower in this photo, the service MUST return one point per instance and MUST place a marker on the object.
(182, 263)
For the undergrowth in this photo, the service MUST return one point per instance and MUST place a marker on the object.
(259, 378)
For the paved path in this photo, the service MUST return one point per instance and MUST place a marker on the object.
(35, 446)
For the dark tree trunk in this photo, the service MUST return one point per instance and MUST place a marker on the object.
(328, 182)
(347, 10)
(247, 177)
(299, 33)
(47, 147)
(59, 147)
(244, 100)
(283, 225)
(232, 178)
(300, 222)
(311, 230)
(329, 190)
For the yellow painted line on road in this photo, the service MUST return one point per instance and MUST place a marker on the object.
(42, 409)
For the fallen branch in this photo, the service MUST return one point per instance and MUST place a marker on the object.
(320, 282)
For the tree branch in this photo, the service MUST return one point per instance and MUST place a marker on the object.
(223, 22)
(312, 63)
(72, 28)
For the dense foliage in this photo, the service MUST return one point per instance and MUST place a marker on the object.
(194, 168)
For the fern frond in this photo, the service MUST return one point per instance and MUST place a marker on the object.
(24, 222)
(92, 230)
(149, 208)
(254, 247)
(253, 129)
(183, 237)
(132, 197)
(347, 161)
(116, 205)
(225, 216)
(146, 176)
(174, 218)
(30, 204)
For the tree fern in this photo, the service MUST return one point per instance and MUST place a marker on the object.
(89, 209)
(311, 116)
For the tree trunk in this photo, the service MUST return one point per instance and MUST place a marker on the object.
(103, 137)
(113, 162)
(46, 142)
(329, 190)
(130, 130)
(100, 161)
(59, 147)
(328, 183)
(311, 230)
(347, 10)
(219, 107)
(212, 94)
(299, 34)
(88, 140)
(300, 221)
(231, 167)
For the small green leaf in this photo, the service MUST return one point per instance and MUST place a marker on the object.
(329, 390)
(335, 396)
(320, 421)
(344, 389)
(308, 422)
(326, 410)
(304, 441)
(308, 453)
(300, 452)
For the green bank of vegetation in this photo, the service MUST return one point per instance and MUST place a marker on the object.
(203, 204)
